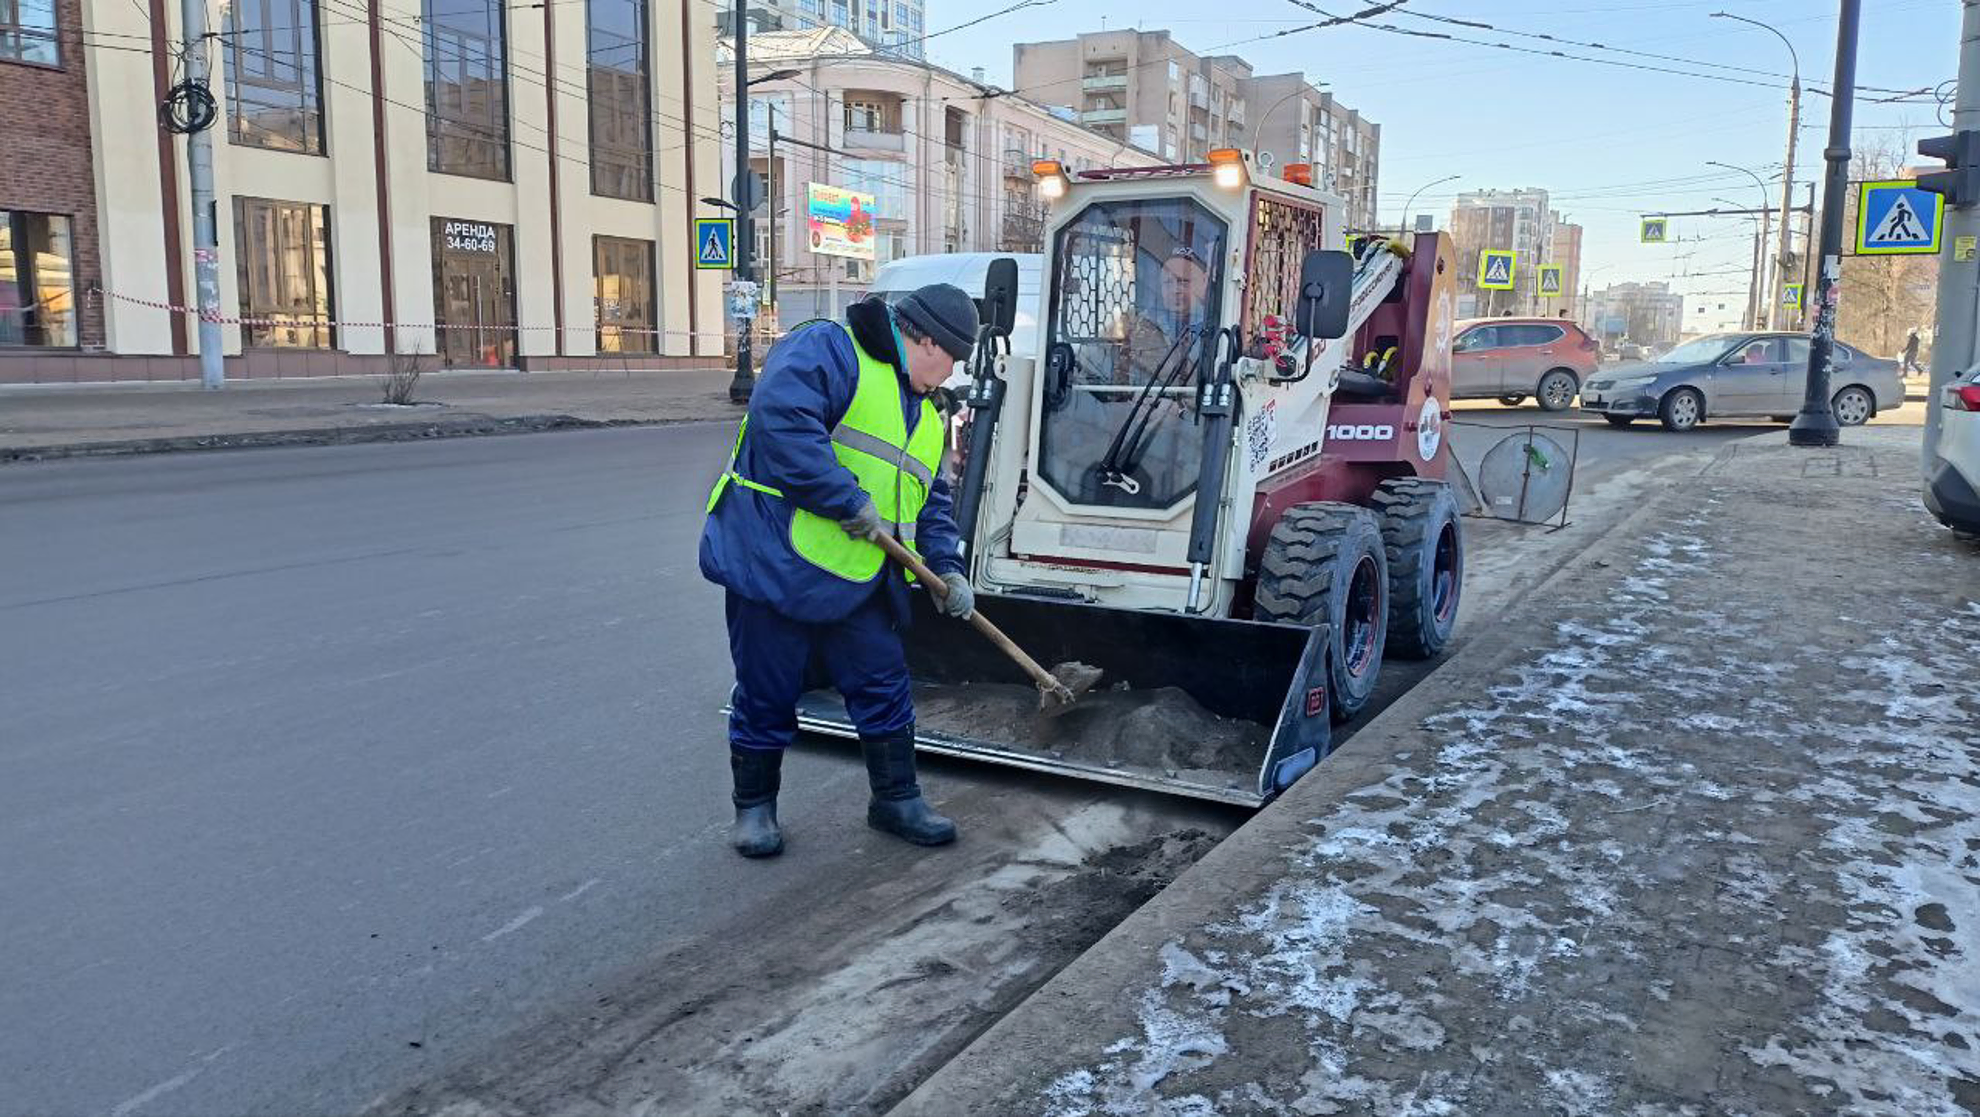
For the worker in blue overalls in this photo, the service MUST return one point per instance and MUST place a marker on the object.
(841, 444)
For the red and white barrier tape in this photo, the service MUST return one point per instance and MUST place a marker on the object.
(298, 323)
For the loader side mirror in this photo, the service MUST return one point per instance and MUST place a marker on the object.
(1000, 292)
(1326, 285)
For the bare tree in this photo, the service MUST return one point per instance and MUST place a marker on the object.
(1883, 297)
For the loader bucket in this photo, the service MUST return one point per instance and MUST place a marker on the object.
(1226, 710)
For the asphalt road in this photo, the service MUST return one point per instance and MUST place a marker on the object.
(331, 772)
(325, 769)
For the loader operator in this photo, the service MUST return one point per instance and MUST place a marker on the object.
(840, 444)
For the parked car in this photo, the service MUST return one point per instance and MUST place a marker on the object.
(1740, 375)
(1952, 488)
(897, 279)
(1509, 359)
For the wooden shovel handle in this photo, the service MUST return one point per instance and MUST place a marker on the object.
(899, 553)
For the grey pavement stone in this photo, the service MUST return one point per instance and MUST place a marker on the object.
(1698, 831)
(180, 415)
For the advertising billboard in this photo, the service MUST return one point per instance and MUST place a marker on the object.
(840, 221)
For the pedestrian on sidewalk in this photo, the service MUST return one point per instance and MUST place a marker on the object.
(1910, 359)
(840, 444)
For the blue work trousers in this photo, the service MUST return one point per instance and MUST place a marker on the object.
(861, 654)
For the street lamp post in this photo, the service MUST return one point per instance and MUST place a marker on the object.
(1411, 204)
(1816, 423)
(1761, 318)
(1782, 258)
(1267, 115)
(1751, 319)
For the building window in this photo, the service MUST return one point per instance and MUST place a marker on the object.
(27, 32)
(621, 109)
(37, 280)
(864, 115)
(840, 15)
(274, 91)
(284, 249)
(623, 294)
(467, 98)
(811, 8)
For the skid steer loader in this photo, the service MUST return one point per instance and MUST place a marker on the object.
(1220, 482)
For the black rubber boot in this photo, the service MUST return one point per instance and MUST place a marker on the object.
(758, 774)
(897, 806)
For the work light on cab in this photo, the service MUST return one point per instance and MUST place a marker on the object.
(1051, 179)
(1227, 167)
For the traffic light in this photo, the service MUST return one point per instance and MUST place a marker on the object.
(1960, 181)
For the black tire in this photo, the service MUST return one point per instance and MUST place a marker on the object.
(1424, 543)
(1322, 562)
(1682, 410)
(1512, 401)
(1557, 390)
(1781, 418)
(1856, 402)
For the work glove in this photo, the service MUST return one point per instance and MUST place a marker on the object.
(961, 601)
(865, 523)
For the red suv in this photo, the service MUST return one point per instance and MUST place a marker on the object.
(1509, 359)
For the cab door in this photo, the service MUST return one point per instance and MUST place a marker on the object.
(1477, 363)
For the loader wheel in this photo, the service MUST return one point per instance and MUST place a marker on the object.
(1324, 563)
(1425, 545)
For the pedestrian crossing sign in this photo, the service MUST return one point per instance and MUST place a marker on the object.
(1897, 218)
(1550, 281)
(1495, 269)
(1653, 230)
(714, 242)
(1790, 296)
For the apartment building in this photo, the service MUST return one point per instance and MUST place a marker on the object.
(386, 185)
(1649, 314)
(1520, 220)
(1298, 122)
(1565, 250)
(1141, 87)
(946, 158)
(1146, 89)
(892, 26)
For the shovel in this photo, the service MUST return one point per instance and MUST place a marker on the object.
(1058, 688)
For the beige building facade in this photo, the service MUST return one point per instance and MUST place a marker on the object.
(514, 189)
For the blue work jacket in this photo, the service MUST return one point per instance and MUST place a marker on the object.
(805, 389)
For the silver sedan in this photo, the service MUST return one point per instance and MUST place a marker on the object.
(1740, 375)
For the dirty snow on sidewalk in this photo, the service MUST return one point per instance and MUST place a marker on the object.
(1707, 844)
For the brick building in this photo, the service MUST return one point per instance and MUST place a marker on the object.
(48, 223)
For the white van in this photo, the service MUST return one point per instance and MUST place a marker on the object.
(968, 270)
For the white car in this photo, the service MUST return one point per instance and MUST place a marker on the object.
(897, 279)
(1952, 491)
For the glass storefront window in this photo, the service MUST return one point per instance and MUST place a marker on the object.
(284, 249)
(623, 295)
(474, 293)
(37, 280)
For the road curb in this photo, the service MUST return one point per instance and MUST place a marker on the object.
(325, 436)
(1012, 1058)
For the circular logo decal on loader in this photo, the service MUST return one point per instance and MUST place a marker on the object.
(1429, 430)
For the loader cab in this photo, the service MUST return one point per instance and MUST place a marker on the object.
(1134, 309)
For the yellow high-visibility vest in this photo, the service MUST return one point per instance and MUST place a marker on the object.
(893, 466)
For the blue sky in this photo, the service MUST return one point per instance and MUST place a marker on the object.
(1608, 142)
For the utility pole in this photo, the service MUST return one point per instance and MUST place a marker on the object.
(770, 192)
(743, 298)
(1783, 256)
(1955, 346)
(196, 113)
(1816, 424)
